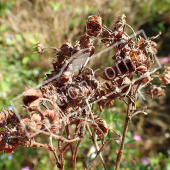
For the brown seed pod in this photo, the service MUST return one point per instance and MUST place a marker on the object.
(48, 90)
(21, 126)
(29, 127)
(102, 125)
(141, 69)
(107, 35)
(2, 140)
(62, 100)
(66, 49)
(119, 24)
(51, 121)
(94, 25)
(59, 60)
(33, 105)
(125, 66)
(8, 117)
(76, 48)
(36, 118)
(86, 42)
(94, 83)
(65, 77)
(74, 93)
(31, 98)
(10, 149)
(11, 144)
(117, 35)
(156, 91)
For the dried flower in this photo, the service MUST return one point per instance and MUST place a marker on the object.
(40, 48)
(94, 25)
(157, 91)
(51, 121)
(165, 77)
(31, 98)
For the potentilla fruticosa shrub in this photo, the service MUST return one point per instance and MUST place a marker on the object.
(64, 101)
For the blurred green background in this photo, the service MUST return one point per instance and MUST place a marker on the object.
(24, 23)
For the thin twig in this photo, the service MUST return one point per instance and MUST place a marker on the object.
(71, 147)
(61, 150)
(51, 148)
(130, 110)
(101, 149)
(96, 145)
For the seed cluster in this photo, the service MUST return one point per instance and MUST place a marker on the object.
(66, 96)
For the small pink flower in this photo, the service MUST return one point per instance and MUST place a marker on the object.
(137, 137)
(165, 60)
(26, 168)
(117, 141)
(145, 160)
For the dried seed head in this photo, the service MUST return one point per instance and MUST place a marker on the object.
(2, 140)
(36, 118)
(87, 71)
(66, 49)
(120, 23)
(141, 69)
(10, 150)
(31, 98)
(8, 117)
(65, 77)
(51, 120)
(102, 125)
(165, 77)
(21, 126)
(39, 48)
(157, 91)
(94, 25)
(11, 144)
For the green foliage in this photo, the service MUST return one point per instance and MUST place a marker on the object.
(16, 71)
(6, 6)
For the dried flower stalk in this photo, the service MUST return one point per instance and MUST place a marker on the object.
(68, 93)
